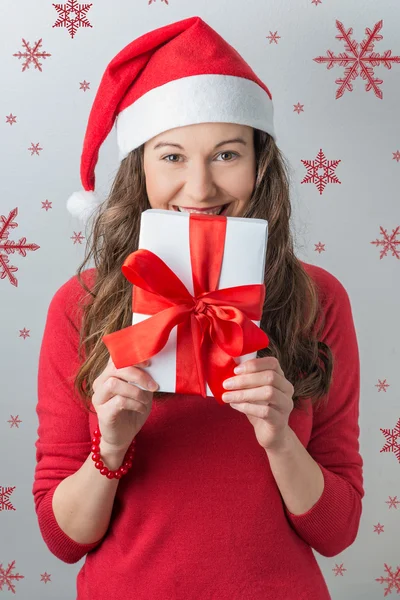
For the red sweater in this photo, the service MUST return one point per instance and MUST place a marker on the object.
(199, 516)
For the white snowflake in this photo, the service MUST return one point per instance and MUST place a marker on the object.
(359, 59)
(32, 55)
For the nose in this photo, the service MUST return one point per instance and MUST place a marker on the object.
(199, 186)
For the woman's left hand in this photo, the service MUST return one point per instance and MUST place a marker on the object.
(263, 393)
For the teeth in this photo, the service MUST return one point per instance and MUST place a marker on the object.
(214, 211)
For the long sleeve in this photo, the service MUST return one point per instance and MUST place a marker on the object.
(64, 439)
(331, 525)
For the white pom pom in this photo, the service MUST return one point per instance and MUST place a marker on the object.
(82, 204)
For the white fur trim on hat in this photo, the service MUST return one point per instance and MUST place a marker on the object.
(82, 204)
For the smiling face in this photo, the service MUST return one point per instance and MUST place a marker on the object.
(197, 167)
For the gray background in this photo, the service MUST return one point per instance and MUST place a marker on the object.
(359, 129)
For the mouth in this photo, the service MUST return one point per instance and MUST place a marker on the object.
(213, 210)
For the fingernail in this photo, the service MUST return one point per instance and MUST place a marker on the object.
(238, 369)
(152, 386)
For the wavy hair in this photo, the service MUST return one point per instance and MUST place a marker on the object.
(292, 308)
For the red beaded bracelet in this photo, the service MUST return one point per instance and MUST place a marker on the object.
(124, 468)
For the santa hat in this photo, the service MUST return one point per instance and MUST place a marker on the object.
(180, 74)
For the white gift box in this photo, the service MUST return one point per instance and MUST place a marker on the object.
(166, 233)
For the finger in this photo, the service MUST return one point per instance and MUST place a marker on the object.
(118, 403)
(261, 411)
(262, 378)
(261, 395)
(263, 363)
(114, 386)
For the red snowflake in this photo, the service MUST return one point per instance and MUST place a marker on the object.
(339, 569)
(14, 421)
(298, 108)
(5, 494)
(379, 529)
(392, 445)
(77, 237)
(396, 155)
(72, 16)
(382, 385)
(11, 119)
(320, 247)
(151, 1)
(393, 502)
(45, 577)
(273, 37)
(35, 149)
(320, 171)
(32, 55)
(8, 247)
(7, 577)
(393, 580)
(84, 85)
(24, 333)
(388, 242)
(359, 59)
(46, 205)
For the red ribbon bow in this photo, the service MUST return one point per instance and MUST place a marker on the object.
(213, 325)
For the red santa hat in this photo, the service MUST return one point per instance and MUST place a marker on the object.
(180, 74)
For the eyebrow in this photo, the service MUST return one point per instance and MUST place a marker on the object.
(232, 141)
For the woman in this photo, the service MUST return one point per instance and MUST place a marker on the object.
(179, 497)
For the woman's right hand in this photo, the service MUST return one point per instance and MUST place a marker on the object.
(122, 408)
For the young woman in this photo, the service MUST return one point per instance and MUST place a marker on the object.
(173, 496)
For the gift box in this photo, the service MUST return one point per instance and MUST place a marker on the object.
(197, 299)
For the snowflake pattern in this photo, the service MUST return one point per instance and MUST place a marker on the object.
(320, 247)
(32, 55)
(72, 16)
(379, 529)
(11, 119)
(7, 577)
(298, 108)
(5, 494)
(359, 59)
(8, 247)
(14, 421)
(273, 37)
(396, 156)
(35, 149)
(382, 385)
(46, 205)
(24, 333)
(389, 242)
(393, 502)
(77, 237)
(84, 85)
(45, 577)
(321, 171)
(166, 1)
(393, 580)
(339, 569)
(392, 444)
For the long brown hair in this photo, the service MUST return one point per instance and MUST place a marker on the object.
(292, 309)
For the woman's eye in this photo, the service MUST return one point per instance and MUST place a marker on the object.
(221, 153)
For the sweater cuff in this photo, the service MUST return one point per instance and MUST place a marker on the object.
(58, 542)
(323, 521)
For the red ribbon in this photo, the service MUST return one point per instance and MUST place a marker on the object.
(213, 325)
